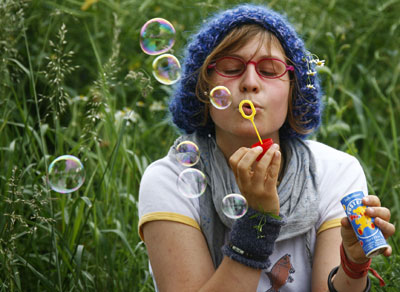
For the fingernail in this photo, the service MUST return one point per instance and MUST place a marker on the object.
(275, 147)
(259, 148)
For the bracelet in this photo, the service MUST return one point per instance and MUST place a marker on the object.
(332, 288)
(353, 270)
(357, 271)
(246, 254)
(252, 239)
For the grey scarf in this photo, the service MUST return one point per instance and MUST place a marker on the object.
(298, 194)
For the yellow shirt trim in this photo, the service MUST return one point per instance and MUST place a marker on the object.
(329, 224)
(168, 216)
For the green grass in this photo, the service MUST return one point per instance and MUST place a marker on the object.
(68, 78)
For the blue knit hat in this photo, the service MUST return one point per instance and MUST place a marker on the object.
(185, 106)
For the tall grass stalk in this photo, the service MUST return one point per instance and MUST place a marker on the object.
(44, 153)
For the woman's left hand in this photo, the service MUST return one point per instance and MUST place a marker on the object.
(351, 244)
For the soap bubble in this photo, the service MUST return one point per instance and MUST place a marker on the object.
(188, 153)
(166, 69)
(66, 174)
(234, 206)
(220, 97)
(157, 36)
(192, 183)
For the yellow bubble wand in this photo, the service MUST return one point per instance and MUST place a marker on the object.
(249, 117)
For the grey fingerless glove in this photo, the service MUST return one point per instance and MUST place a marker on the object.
(252, 239)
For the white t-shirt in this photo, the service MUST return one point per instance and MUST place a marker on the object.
(338, 174)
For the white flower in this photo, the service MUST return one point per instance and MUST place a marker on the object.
(80, 98)
(320, 63)
(140, 103)
(127, 114)
(311, 73)
(310, 86)
(132, 116)
(157, 106)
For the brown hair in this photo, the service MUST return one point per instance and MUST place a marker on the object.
(235, 39)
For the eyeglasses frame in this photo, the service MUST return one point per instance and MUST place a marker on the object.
(214, 65)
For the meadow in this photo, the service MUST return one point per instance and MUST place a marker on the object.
(73, 80)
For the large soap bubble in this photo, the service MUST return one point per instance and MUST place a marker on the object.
(220, 97)
(66, 174)
(234, 206)
(157, 36)
(192, 183)
(166, 69)
(187, 153)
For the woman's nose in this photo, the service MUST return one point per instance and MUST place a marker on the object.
(250, 82)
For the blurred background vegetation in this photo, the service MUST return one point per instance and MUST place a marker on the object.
(73, 80)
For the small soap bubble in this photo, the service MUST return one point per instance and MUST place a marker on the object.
(220, 97)
(234, 206)
(166, 69)
(157, 36)
(66, 174)
(192, 183)
(188, 153)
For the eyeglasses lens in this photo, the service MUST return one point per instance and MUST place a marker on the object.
(270, 68)
(230, 67)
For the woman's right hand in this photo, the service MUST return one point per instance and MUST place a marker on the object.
(257, 181)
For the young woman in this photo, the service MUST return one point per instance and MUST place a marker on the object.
(293, 234)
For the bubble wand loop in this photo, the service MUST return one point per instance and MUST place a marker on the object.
(250, 117)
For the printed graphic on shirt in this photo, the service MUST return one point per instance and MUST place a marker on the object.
(280, 273)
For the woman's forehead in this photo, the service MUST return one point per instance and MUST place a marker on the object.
(258, 47)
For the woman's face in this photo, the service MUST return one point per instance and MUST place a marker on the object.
(269, 96)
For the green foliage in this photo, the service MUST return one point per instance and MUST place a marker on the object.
(73, 80)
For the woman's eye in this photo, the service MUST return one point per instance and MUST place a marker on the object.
(268, 72)
(232, 71)
(230, 67)
(270, 68)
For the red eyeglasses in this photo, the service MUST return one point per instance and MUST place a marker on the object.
(232, 67)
